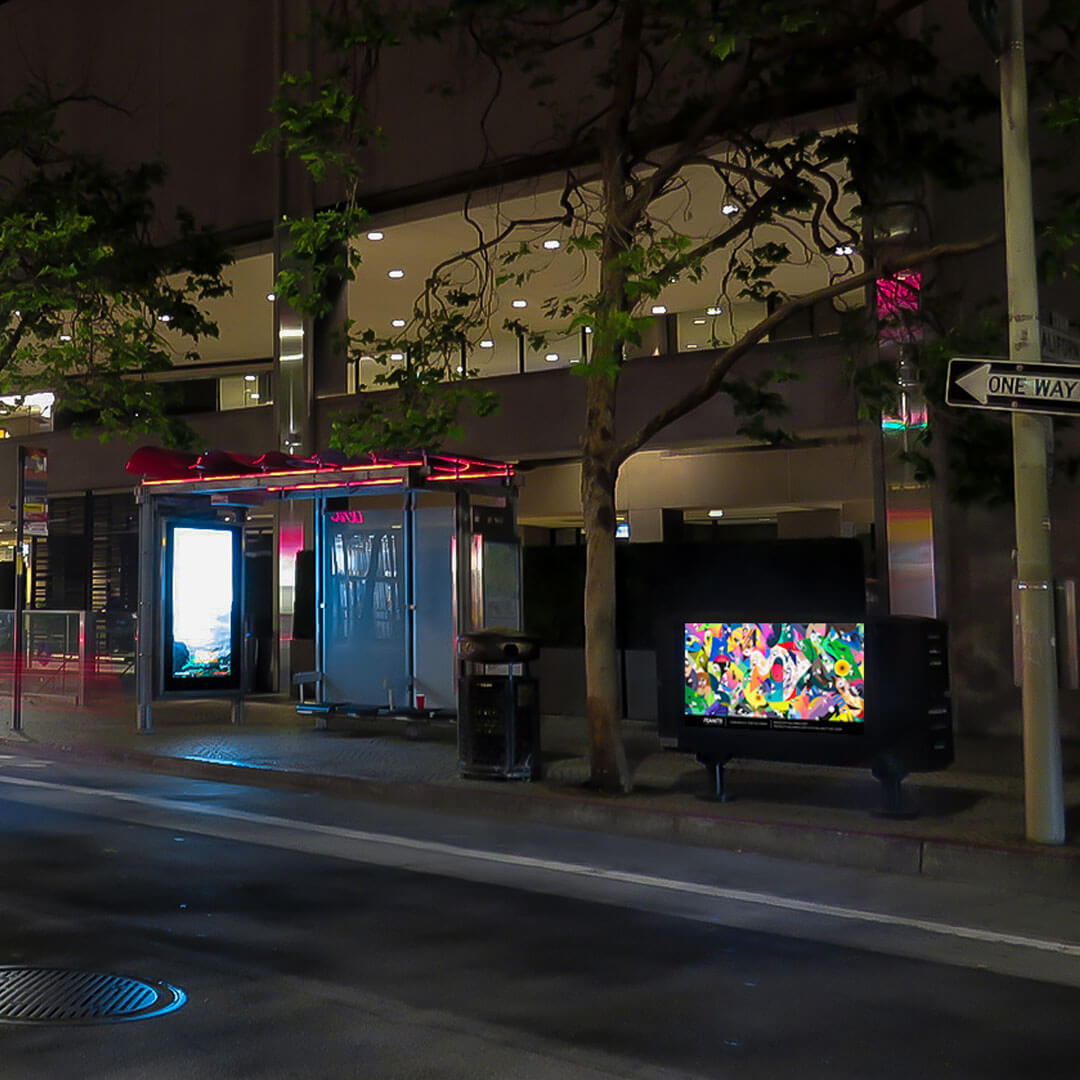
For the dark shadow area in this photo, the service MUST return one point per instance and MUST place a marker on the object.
(862, 792)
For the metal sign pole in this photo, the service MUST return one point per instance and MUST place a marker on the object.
(20, 586)
(1043, 782)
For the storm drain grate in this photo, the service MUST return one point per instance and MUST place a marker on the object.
(58, 996)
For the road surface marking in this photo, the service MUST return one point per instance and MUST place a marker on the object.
(556, 866)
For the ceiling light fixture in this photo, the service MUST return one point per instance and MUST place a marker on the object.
(729, 209)
(552, 245)
(844, 249)
(659, 309)
(714, 311)
(551, 357)
(716, 513)
(519, 303)
(700, 322)
(271, 296)
(395, 274)
(65, 337)
(375, 235)
(397, 356)
(397, 322)
(250, 378)
(487, 343)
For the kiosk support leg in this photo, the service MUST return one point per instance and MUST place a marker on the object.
(890, 774)
(716, 765)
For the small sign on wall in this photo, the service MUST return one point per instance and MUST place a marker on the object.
(35, 506)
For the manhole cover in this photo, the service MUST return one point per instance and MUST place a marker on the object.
(57, 996)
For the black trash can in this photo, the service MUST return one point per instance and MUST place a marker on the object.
(498, 708)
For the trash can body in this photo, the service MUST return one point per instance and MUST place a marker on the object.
(498, 707)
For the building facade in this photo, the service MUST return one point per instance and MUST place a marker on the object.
(193, 83)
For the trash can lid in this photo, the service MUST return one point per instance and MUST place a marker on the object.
(495, 645)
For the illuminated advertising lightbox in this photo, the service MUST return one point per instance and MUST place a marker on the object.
(782, 676)
(202, 589)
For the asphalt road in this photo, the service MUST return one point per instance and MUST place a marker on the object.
(320, 938)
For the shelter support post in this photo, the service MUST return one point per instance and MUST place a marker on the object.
(144, 619)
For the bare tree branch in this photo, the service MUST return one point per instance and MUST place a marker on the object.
(709, 386)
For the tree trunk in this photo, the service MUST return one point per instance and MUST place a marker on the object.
(607, 757)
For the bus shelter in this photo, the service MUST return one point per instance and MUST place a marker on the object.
(402, 553)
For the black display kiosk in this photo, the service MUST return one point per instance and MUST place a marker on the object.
(767, 652)
(886, 708)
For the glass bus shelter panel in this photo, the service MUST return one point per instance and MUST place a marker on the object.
(435, 633)
(501, 571)
(365, 660)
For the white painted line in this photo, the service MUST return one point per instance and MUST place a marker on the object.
(580, 870)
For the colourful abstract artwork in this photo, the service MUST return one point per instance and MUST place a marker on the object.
(789, 674)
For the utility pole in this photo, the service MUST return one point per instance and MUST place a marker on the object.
(1044, 801)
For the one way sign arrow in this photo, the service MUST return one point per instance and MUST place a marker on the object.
(1001, 384)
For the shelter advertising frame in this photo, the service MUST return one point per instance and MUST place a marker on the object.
(189, 497)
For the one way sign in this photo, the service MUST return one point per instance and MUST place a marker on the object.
(1001, 384)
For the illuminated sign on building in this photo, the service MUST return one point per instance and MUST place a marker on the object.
(347, 517)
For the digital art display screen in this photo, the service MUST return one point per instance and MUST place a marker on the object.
(202, 597)
(779, 675)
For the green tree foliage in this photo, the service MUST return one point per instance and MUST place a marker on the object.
(642, 98)
(87, 294)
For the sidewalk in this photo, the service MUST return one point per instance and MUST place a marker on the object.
(970, 826)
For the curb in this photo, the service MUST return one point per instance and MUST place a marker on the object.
(1001, 865)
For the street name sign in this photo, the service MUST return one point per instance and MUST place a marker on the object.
(1002, 384)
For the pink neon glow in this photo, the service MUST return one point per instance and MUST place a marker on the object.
(898, 294)
(347, 517)
(336, 484)
(469, 476)
(290, 541)
(479, 463)
(289, 472)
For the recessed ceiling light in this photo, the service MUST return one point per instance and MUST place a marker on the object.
(588, 329)
(375, 235)
(164, 318)
(254, 396)
(551, 357)
(290, 332)
(844, 249)
(395, 274)
(659, 309)
(729, 209)
(459, 369)
(271, 296)
(714, 311)
(487, 343)
(250, 378)
(397, 322)
(65, 337)
(700, 322)
(551, 245)
(691, 346)
(397, 356)
(519, 303)
(716, 513)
